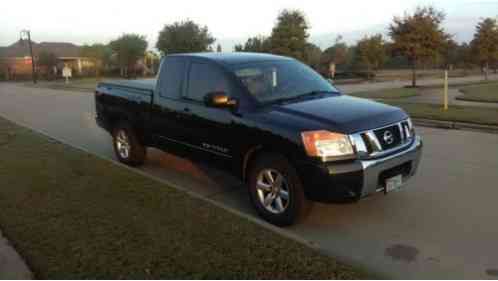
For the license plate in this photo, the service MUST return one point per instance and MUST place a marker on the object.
(394, 183)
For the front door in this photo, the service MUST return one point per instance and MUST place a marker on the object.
(211, 131)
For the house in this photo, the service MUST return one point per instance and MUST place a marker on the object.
(15, 60)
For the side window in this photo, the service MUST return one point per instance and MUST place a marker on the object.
(205, 78)
(171, 80)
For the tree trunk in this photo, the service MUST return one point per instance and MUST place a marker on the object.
(486, 71)
(414, 74)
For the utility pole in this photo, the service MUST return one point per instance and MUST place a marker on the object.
(33, 67)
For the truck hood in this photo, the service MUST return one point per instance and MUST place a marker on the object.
(344, 114)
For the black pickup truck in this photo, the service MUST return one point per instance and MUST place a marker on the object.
(270, 120)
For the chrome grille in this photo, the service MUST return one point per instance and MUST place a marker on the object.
(383, 140)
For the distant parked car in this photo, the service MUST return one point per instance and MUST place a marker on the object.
(270, 120)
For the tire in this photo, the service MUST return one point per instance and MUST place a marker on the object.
(280, 212)
(127, 146)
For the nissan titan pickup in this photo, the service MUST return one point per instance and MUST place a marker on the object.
(272, 121)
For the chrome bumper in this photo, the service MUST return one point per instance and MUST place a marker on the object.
(372, 169)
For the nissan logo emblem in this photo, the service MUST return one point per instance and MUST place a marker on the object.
(388, 137)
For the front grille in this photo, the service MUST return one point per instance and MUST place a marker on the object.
(389, 137)
(382, 141)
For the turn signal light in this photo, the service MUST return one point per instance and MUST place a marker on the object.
(327, 144)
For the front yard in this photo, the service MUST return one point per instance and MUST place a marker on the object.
(468, 114)
(399, 93)
(74, 216)
(81, 84)
(480, 93)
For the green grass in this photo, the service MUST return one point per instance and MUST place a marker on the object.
(74, 216)
(480, 93)
(388, 94)
(82, 84)
(477, 115)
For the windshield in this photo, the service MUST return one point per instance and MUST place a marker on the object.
(275, 81)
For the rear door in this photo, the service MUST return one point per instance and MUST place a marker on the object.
(167, 113)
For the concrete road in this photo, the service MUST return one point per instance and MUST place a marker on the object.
(442, 225)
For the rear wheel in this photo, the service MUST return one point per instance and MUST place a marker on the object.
(276, 190)
(127, 147)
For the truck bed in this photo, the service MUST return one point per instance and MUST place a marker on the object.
(124, 99)
(134, 91)
(142, 86)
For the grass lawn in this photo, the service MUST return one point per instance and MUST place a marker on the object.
(388, 94)
(481, 93)
(74, 216)
(478, 115)
(82, 84)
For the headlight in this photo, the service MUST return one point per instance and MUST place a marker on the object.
(327, 145)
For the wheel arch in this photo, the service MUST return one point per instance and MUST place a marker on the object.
(256, 151)
(127, 118)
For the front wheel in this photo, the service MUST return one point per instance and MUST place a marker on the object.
(127, 145)
(276, 191)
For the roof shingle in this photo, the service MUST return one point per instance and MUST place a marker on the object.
(60, 49)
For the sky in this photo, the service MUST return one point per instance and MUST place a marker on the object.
(229, 21)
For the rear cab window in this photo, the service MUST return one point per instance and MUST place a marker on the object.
(171, 84)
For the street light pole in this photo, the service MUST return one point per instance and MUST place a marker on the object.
(33, 67)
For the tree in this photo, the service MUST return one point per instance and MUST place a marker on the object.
(151, 63)
(335, 55)
(312, 55)
(485, 43)
(290, 34)
(257, 44)
(371, 52)
(184, 37)
(47, 60)
(129, 48)
(100, 54)
(219, 49)
(449, 54)
(418, 37)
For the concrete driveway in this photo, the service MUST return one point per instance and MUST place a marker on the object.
(442, 225)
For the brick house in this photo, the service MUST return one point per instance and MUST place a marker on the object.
(15, 60)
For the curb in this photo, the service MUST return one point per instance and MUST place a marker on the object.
(280, 231)
(453, 125)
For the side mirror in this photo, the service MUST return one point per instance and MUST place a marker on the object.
(219, 99)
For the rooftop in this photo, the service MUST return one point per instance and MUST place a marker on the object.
(21, 49)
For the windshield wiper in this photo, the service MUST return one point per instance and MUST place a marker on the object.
(302, 96)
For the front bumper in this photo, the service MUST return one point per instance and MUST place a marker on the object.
(333, 182)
